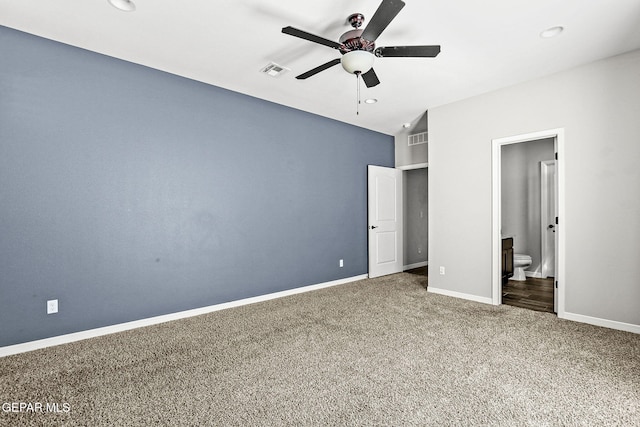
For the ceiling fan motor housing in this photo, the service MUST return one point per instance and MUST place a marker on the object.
(351, 41)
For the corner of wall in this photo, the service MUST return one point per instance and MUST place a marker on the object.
(406, 155)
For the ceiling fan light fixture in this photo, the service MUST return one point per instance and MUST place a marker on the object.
(357, 61)
(124, 5)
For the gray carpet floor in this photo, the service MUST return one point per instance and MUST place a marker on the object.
(374, 352)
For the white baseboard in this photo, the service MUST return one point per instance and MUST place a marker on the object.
(611, 324)
(416, 265)
(92, 333)
(484, 300)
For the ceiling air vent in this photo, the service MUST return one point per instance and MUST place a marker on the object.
(418, 138)
(274, 70)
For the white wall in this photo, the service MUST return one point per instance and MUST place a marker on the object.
(598, 105)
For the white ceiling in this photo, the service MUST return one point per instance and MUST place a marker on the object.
(485, 45)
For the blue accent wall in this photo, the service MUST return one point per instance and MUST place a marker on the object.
(127, 192)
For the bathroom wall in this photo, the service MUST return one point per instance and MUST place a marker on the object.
(521, 196)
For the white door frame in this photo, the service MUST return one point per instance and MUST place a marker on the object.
(496, 214)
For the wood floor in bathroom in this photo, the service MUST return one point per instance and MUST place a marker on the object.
(534, 294)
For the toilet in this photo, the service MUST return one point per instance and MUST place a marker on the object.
(520, 263)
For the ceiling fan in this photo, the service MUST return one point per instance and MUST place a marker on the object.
(358, 48)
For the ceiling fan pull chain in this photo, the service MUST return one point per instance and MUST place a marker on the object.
(358, 93)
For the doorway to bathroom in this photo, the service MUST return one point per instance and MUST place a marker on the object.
(527, 200)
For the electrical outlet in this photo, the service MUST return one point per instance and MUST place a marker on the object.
(442, 270)
(419, 250)
(52, 306)
(341, 263)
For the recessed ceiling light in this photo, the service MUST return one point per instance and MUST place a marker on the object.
(370, 101)
(551, 32)
(126, 5)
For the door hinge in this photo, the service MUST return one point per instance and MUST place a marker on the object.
(556, 220)
(556, 284)
(556, 155)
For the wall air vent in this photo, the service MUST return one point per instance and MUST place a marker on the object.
(274, 70)
(418, 138)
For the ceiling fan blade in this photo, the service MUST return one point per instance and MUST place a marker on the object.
(318, 69)
(387, 10)
(311, 37)
(370, 78)
(408, 51)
